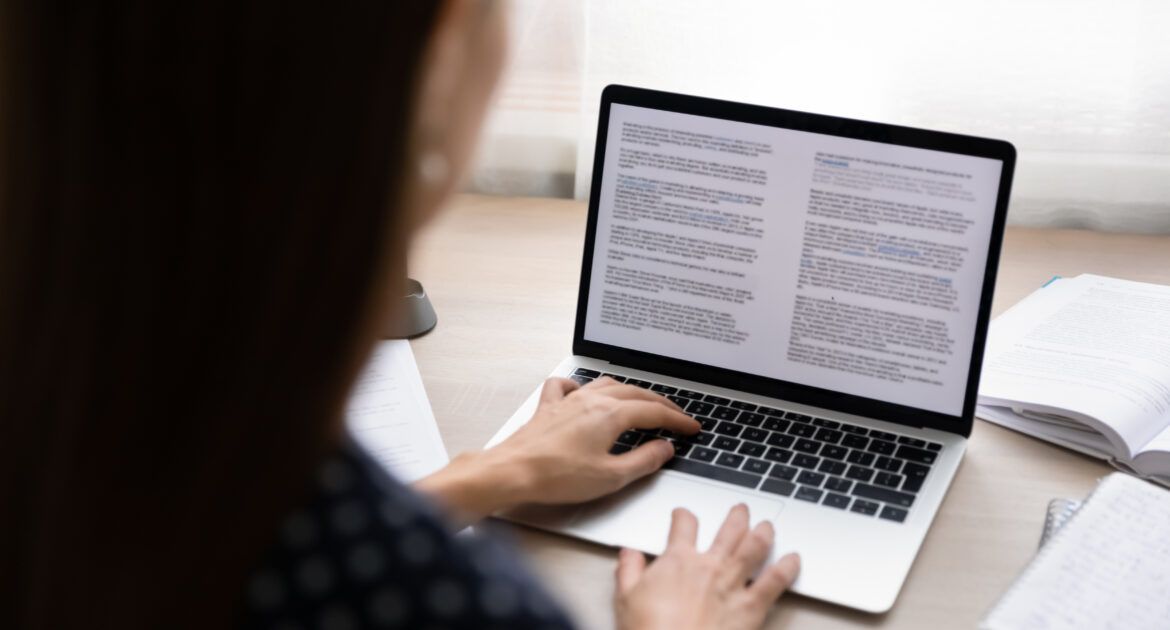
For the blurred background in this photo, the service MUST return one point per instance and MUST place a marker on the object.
(1081, 87)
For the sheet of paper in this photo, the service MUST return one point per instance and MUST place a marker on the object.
(1109, 567)
(389, 414)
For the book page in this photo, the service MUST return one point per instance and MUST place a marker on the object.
(1108, 568)
(1093, 346)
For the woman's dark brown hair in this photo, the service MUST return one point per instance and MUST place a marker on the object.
(196, 201)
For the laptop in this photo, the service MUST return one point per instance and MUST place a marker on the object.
(815, 291)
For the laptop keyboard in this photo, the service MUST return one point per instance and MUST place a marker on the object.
(838, 465)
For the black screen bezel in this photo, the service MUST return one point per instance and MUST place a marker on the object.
(815, 123)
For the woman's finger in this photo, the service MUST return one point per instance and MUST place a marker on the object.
(775, 579)
(751, 552)
(556, 388)
(643, 460)
(629, 392)
(684, 528)
(735, 526)
(631, 563)
(641, 414)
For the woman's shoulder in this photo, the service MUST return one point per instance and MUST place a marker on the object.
(366, 551)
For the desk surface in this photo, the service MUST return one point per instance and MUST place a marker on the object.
(502, 273)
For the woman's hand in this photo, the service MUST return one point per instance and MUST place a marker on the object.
(562, 454)
(686, 590)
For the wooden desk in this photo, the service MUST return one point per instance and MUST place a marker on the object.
(503, 273)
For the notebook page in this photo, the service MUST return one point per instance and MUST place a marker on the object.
(1109, 568)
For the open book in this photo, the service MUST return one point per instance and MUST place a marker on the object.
(1085, 363)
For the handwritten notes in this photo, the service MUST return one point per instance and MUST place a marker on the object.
(1109, 568)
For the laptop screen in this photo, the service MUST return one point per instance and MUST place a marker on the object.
(844, 264)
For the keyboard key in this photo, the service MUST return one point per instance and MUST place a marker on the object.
(699, 408)
(756, 466)
(778, 455)
(889, 480)
(751, 419)
(855, 441)
(781, 440)
(860, 457)
(707, 424)
(859, 473)
(718, 473)
(892, 513)
(731, 460)
(838, 501)
(810, 478)
(829, 424)
(686, 393)
(768, 411)
(915, 476)
(743, 406)
(805, 493)
(832, 467)
(802, 430)
(587, 372)
(885, 495)
(804, 445)
(755, 435)
(806, 461)
(681, 448)
(663, 389)
(702, 438)
(780, 471)
(917, 455)
(799, 417)
(882, 435)
(630, 438)
(909, 441)
(752, 449)
(718, 400)
(703, 454)
(888, 464)
(882, 447)
(580, 380)
(861, 506)
(830, 436)
(854, 429)
(776, 424)
(678, 400)
(724, 413)
(837, 484)
(638, 383)
(616, 377)
(618, 449)
(725, 443)
(727, 428)
(933, 446)
(778, 486)
(833, 452)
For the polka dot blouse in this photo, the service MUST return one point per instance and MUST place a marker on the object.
(366, 552)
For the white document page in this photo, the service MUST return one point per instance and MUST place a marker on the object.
(1095, 346)
(1107, 569)
(389, 414)
(844, 264)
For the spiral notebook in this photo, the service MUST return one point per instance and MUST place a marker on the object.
(1107, 567)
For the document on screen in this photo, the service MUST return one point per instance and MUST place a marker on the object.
(822, 260)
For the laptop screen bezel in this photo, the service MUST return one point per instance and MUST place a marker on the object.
(815, 123)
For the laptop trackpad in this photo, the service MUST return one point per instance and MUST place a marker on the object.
(639, 516)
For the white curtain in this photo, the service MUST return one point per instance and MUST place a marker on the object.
(1081, 87)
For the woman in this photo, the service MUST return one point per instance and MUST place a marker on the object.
(204, 213)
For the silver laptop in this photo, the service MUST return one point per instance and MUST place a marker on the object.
(816, 292)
